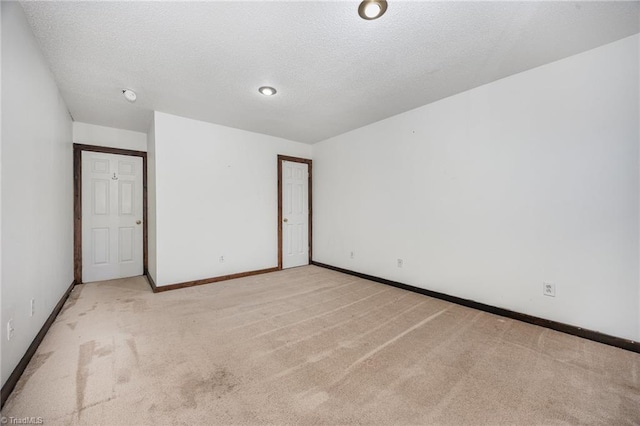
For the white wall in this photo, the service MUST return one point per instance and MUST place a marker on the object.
(37, 188)
(489, 193)
(91, 134)
(216, 195)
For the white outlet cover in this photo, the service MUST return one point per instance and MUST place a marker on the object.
(549, 289)
(10, 329)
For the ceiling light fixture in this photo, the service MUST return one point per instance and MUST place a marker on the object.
(372, 9)
(267, 90)
(129, 95)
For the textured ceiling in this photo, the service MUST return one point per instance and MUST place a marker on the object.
(333, 70)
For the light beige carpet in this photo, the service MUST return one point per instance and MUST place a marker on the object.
(312, 346)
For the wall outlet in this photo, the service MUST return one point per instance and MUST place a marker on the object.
(353, 254)
(400, 263)
(549, 289)
(221, 259)
(33, 307)
(10, 329)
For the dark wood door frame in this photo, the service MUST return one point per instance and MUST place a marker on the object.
(282, 158)
(77, 203)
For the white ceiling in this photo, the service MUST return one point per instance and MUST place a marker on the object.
(333, 70)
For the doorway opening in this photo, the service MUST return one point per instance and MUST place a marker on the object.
(78, 149)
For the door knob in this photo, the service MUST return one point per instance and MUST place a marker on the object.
(286, 220)
(138, 222)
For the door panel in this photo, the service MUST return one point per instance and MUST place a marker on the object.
(295, 214)
(126, 244)
(100, 246)
(100, 196)
(111, 216)
(126, 168)
(127, 197)
(100, 166)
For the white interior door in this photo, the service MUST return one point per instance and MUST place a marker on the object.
(295, 214)
(111, 216)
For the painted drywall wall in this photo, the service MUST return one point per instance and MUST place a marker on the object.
(90, 134)
(151, 200)
(487, 194)
(216, 195)
(37, 188)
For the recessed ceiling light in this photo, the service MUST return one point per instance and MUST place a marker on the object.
(129, 95)
(267, 90)
(372, 9)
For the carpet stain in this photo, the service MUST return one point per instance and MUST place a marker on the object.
(104, 351)
(72, 299)
(111, 398)
(124, 376)
(85, 356)
(36, 362)
(72, 325)
(134, 349)
(216, 385)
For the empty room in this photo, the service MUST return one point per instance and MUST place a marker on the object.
(320, 212)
